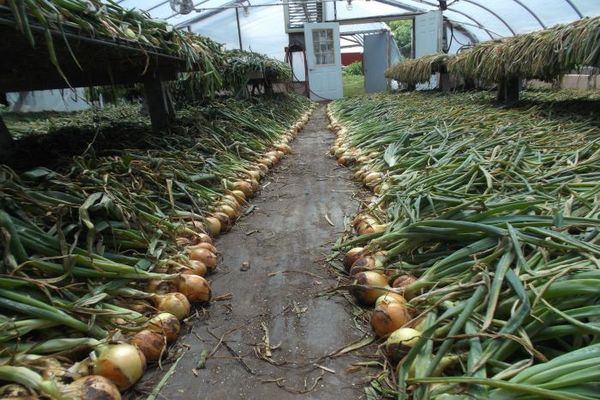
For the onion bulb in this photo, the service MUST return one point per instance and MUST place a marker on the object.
(284, 148)
(158, 286)
(196, 267)
(263, 167)
(244, 187)
(254, 174)
(400, 342)
(91, 387)
(213, 226)
(367, 263)
(228, 210)
(387, 317)
(174, 303)
(207, 246)
(373, 179)
(368, 296)
(239, 195)
(223, 220)
(203, 238)
(345, 160)
(166, 324)
(254, 184)
(390, 297)
(402, 281)
(194, 287)
(205, 256)
(123, 364)
(151, 343)
(351, 256)
(15, 391)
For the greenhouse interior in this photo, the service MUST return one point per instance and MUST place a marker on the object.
(300, 199)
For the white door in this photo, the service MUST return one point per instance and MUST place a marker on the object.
(324, 60)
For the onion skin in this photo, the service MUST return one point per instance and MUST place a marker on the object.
(224, 220)
(166, 324)
(123, 364)
(195, 288)
(387, 317)
(156, 286)
(152, 344)
(244, 187)
(198, 268)
(92, 387)
(400, 342)
(228, 210)
(174, 303)
(15, 391)
(401, 282)
(202, 238)
(351, 256)
(205, 256)
(207, 246)
(239, 195)
(213, 226)
(390, 297)
(369, 278)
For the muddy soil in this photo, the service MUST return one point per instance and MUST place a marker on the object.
(273, 266)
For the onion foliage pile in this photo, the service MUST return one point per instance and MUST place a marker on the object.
(484, 235)
(106, 254)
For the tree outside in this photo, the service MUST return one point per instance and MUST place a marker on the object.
(402, 32)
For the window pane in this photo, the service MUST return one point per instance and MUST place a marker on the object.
(323, 46)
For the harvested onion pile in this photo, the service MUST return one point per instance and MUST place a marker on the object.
(479, 249)
(140, 247)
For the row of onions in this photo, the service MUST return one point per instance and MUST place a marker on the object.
(546, 54)
(480, 246)
(103, 258)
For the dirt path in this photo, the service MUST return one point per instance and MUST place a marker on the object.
(284, 240)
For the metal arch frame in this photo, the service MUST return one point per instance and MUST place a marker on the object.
(575, 8)
(530, 11)
(399, 4)
(477, 23)
(491, 12)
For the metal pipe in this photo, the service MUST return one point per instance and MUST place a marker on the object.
(575, 8)
(531, 12)
(493, 13)
(237, 19)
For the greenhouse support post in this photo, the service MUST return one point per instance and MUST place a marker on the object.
(159, 103)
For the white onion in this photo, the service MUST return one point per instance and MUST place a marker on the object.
(123, 364)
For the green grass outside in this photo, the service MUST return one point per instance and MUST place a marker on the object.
(353, 85)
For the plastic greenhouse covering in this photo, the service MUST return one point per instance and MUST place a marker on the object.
(262, 26)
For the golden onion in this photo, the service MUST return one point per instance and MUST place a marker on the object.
(194, 287)
(160, 286)
(91, 387)
(369, 295)
(244, 187)
(174, 303)
(152, 344)
(351, 256)
(166, 324)
(239, 196)
(123, 364)
(213, 226)
(207, 246)
(390, 297)
(400, 342)
(387, 317)
(402, 282)
(205, 256)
